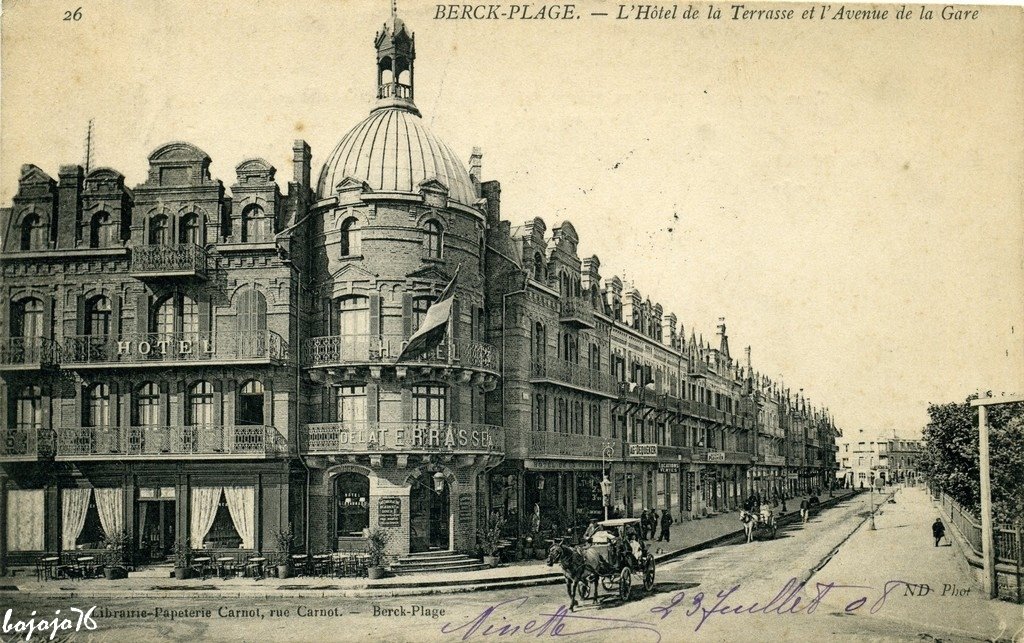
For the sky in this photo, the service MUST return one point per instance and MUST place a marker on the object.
(847, 195)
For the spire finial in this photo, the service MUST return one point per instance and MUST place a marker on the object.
(394, 8)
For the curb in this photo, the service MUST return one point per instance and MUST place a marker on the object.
(422, 588)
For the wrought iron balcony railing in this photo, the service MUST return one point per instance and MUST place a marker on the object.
(25, 443)
(538, 444)
(577, 311)
(207, 441)
(336, 350)
(177, 260)
(169, 348)
(577, 375)
(770, 459)
(28, 353)
(396, 437)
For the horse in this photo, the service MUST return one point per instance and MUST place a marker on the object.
(749, 520)
(583, 565)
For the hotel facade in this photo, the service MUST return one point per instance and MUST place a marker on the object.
(189, 362)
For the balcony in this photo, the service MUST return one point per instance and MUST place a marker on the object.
(28, 354)
(577, 311)
(574, 375)
(352, 350)
(772, 460)
(25, 444)
(168, 349)
(170, 442)
(401, 437)
(549, 444)
(179, 260)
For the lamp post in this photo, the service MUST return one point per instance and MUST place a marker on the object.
(606, 484)
(871, 492)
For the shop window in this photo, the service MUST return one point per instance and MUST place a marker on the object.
(433, 238)
(429, 404)
(352, 492)
(92, 535)
(250, 403)
(223, 534)
(25, 519)
(351, 237)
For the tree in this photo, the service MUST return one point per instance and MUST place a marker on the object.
(951, 456)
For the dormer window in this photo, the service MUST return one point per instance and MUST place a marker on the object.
(33, 233)
(98, 226)
(350, 237)
(433, 238)
(255, 225)
(538, 267)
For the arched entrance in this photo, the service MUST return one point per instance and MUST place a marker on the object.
(352, 509)
(429, 514)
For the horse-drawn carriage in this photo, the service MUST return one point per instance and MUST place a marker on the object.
(613, 555)
(759, 525)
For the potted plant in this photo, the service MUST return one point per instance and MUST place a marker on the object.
(117, 547)
(490, 541)
(182, 560)
(376, 544)
(283, 539)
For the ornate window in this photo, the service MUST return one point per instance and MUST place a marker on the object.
(255, 225)
(189, 231)
(429, 404)
(250, 403)
(176, 313)
(159, 231)
(97, 406)
(433, 238)
(33, 233)
(27, 318)
(350, 404)
(28, 408)
(98, 236)
(350, 237)
(146, 406)
(200, 404)
(97, 317)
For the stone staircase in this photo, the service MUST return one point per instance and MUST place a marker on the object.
(435, 561)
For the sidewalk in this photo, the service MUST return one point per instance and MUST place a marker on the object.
(686, 537)
(901, 548)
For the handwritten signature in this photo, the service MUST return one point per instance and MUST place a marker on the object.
(497, 620)
(75, 619)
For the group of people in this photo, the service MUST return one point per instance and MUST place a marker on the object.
(651, 523)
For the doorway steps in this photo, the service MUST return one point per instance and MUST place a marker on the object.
(436, 561)
(157, 570)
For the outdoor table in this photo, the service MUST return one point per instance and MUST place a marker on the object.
(322, 564)
(257, 565)
(223, 564)
(301, 561)
(203, 562)
(88, 564)
(47, 568)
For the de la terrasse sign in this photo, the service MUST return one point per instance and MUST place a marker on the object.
(416, 437)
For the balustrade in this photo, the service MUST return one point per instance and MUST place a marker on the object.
(28, 352)
(385, 349)
(183, 259)
(28, 443)
(574, 374)
(169, 441)
(133, 348)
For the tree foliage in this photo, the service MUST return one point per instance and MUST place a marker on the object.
(951, 456)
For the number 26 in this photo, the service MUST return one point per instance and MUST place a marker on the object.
(75, 15)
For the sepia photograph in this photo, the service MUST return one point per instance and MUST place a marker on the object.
(382, 320)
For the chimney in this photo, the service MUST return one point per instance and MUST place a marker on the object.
(748, 357)
(301, 156)
(723, 343)
(668, 330)
(476, 163)
(69, 205)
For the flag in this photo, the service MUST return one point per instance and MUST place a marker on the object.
(435, 323)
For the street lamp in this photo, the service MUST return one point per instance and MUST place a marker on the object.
(606, 484)
(871, 492)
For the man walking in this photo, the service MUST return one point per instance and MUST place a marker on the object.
(805, 509)
(938, 530)
(644, 518)
(666, 524)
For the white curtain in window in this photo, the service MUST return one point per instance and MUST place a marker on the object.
(242, 505)
(110, 504)
(74, 504)
(25, 520)
(204, 510)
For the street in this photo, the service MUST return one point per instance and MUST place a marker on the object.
(755, 583)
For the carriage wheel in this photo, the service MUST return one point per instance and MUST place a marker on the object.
(649, 577)
(624, 583)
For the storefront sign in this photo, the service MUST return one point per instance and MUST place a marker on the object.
(389, 511)
(561, 465)
(643, 450)
(716, 456)
(668, 467)
(416, 437)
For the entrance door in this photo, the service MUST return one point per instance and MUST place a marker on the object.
(156, 529)
(429, 515)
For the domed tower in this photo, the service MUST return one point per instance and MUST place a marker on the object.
(393, 440)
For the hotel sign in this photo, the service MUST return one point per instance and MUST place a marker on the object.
(643, 450)
(716, 456)
(164, 347)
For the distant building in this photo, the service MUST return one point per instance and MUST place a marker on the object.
(862, 458)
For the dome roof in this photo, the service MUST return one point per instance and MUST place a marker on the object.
(393, 151)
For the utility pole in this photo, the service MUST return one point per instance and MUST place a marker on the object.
(87, 161)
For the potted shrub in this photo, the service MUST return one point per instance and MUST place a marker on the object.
(490, 542)
(117, 547)
(182, 560)
(283, 540)
(376, 544)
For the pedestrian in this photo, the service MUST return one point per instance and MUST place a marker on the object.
(643, 522)
(652, 524)
(666, 524)
(938, 530)
(805, 509)
(591, 529)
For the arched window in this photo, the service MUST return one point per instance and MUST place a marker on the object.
(28, 408)
(97, 227)
(429, 404)
(350, 404)
(27, 318)
(433, 238)
(352, 493)
(147, 405)
(189, 231)
(97, 317)
(200, 405)
(350, 237)
(159, 231)
(97, 406)
(255, 225)
(563, 285)
(250, 403)
(33, 233)
(176, 313)
(540, 341)
(538, 267)
(420, 305)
